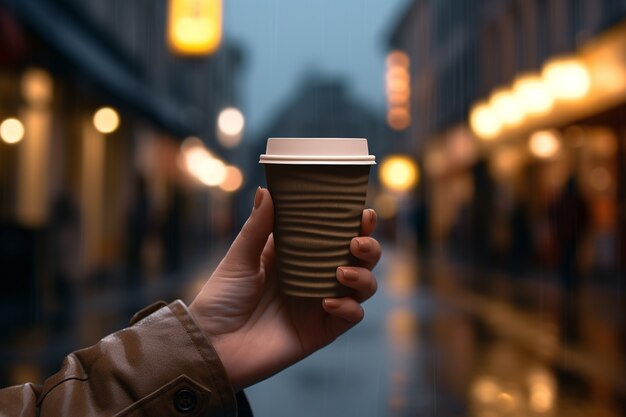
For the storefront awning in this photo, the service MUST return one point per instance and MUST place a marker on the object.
(80, 45)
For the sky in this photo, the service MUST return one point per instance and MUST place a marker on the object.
(286, 39)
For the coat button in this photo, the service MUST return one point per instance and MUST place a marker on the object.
(185, 400)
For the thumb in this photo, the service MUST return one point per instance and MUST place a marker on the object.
(247, 248)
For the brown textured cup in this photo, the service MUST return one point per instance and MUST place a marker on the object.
(317, 212)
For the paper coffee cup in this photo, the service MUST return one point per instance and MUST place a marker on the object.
(318, 186)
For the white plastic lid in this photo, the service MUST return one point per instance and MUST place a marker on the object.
(317, 151)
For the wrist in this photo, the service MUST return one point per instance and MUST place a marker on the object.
(217, 341)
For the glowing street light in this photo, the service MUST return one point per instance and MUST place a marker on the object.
(194, 26)
(399, 173)
(36, 87)
(566, 79)
(106, 120)
(484, 121)
(11, 131)
(505, 107)
(233, 180)
(532, 95)
(544, 143)
(230, 124)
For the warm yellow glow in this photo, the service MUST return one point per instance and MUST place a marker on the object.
(397, 59)
(399, 98)
(542, 391)
(398, 118)
(230, 124)
(397, 80)
(106, 120)
(484, 121)
(36, 87)
(532, 96)
(544, 143)
(485, 389)
(399, 173)
(233, 180)
(505, 107)
(566, 79)
(11, 130)
(203, 165)
(195, 26)
(505, 162)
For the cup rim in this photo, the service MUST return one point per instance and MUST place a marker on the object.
(317, 151)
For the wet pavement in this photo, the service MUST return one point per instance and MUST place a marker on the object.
(431, 345)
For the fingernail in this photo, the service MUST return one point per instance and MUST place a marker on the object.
(331, 302)
(363, 246)
(373, 216)
(348, 274)
(258, 197)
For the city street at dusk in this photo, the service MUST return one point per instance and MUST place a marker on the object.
(364, 208)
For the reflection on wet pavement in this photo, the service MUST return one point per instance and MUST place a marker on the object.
(447, 350)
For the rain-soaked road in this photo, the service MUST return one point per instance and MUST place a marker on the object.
(441, 349)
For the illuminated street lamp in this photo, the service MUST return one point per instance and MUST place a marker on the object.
(11, 131)
(106, 120)
(230, 124)
(194, 26)
(399, 173)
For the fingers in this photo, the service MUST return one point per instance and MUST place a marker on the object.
(346, 308)
(361, 280)
(247, 248)
(367, 250)
(368, 222)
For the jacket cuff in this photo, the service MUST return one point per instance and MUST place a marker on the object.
(205, 387)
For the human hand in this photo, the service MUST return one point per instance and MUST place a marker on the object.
(256, 330)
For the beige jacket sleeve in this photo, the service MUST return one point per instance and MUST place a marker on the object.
(160, 366)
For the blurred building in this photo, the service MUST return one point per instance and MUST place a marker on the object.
(323, 106)
(98, 199)
(467, 56)
(517, 112)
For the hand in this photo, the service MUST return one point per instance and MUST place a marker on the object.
(256, 330)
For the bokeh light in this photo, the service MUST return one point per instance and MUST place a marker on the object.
(106, 120)
(399, 173)
(544, 143)
(566, 79)
(36, 87)
(195, 28)
(532, 96)
(233, 180)
(505, 107)
(11, 131)
(230, 124)
(398, 59)
(398, 118)
(484, 121)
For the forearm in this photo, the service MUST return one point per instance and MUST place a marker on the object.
(159, 366)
